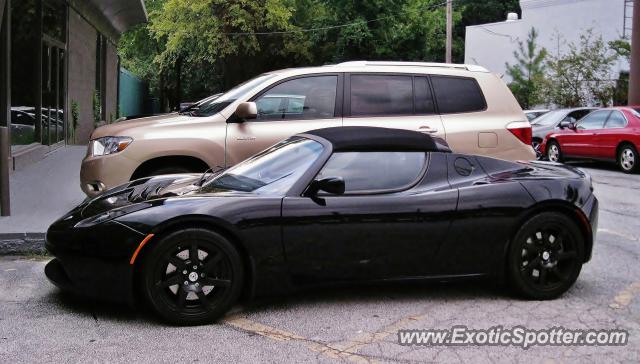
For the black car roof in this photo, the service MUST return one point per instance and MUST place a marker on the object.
(365, 138)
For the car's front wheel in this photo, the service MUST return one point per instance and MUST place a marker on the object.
(554, 154)
(628, 159)
(545, 256)
(192, 276)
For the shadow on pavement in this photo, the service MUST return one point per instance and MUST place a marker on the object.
(390, 292)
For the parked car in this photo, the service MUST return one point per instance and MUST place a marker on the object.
(533, 114)
(611, 134)
(335, 205)
(472, 109)
(550, 121)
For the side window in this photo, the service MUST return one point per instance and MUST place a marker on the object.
(374, 171)
(422, 96)
(381, 95)
(594, 120)
(301, 98)
(457, 94)
(616, 120)
(578, 114)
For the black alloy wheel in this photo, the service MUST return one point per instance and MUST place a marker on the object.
(546, 256)
(192, 277)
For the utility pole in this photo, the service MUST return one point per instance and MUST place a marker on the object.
(447, 56)
(634, 67)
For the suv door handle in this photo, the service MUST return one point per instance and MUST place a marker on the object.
(427, 129)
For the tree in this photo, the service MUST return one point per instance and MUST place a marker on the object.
(528, 72)
(582, 75)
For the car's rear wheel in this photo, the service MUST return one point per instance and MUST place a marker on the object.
(545, 256)
(554, 154)
(628, 159)
(192, 276)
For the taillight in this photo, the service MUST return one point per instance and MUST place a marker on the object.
(523, 133)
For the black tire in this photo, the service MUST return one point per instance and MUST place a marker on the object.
(535, 144)
(553, 156)
(202, 294)
(545, 257)
(628, 159)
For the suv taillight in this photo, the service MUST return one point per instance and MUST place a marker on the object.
(523, 133)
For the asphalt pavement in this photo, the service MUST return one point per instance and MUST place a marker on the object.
(39, 324)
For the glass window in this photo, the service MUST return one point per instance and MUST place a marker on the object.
(457, 94)
(54, 16)
(270, 172)
(616, 120)
(381, 95)
(25, 42)
(594, 120)
(423, 98)
(374, 171)
(301, 98)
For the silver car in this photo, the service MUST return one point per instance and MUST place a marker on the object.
(549, 122)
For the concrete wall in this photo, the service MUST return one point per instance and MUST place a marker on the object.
(82, 73)
(492, 45)
(111, 107)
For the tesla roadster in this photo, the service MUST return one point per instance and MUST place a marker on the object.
(340, 205)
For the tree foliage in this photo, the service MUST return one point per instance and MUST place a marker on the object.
(582, 75)
(528, 72)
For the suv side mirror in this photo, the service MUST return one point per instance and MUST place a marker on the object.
(246, 111)
(332, 185)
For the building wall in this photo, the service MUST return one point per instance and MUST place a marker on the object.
(111, 107)
(82, 73)
(492, 45)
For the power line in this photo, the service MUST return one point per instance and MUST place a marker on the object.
(330, 27)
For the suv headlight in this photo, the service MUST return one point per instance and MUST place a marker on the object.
(108, 145)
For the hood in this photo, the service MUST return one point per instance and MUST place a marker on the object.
(141, 191)
(136, 126)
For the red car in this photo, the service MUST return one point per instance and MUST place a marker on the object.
(611, 134)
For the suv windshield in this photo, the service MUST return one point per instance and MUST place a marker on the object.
(215, 103)
(271, 171)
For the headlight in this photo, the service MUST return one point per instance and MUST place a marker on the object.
(108, 145)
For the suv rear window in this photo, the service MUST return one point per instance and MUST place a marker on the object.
(457, 94)
(381, 95)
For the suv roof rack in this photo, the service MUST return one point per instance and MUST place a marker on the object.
(468, 67)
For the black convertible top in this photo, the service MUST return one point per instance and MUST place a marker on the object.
(361, 138)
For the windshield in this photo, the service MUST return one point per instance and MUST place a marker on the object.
(215, 103)
(273, 171)
(550, 118)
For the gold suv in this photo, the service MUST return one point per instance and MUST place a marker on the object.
(472, 109)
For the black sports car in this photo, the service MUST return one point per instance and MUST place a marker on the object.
(336, 205)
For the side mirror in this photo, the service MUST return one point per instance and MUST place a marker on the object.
(332, 185)
(567, 125)
(246, 111)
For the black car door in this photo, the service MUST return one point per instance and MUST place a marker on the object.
(390, 222)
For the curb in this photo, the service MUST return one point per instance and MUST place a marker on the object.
(22, 244)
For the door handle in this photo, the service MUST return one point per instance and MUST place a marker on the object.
(427, 129)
